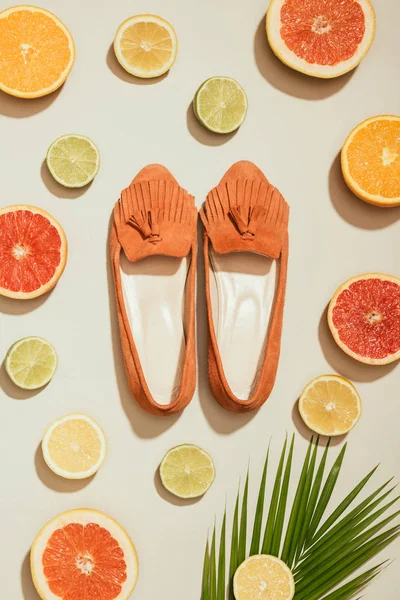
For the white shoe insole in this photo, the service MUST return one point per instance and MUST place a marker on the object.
(154, 295)
(243, 288)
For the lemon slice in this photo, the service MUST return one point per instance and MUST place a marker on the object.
(74, 447)
(220, 104)
(263, 577)
(31, 363)
(330, 405)
(73, 160)
(146, 46)
(187, 471)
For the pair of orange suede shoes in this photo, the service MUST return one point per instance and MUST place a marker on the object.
(154, 255)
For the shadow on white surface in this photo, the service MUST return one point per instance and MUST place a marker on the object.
(286, 79)
(19, 108)
(144, 424)
(120, 72)
(344, 364)
(28, 589)
(306, 433)
(12, 390)
(12, 306)
(220, 419)
(168, 497)
(352, 209)
(202, 134)
(53, 481)
(57, 189)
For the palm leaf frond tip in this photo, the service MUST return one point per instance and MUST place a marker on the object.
(325, 553)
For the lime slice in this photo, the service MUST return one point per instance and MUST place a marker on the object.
(31, 363)
(187, 471)
(220, 104)
(73, 160)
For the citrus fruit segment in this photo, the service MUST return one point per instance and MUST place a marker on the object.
(31, 363)
(371, 160)
(33, 251)
(364, 318)
(74, 447)
(318, 37)
(330, 405)
(36, 52)
(83, 554)
(187, 471)
(73, 160)
(263, 577)
(220, 104)
(146, 46)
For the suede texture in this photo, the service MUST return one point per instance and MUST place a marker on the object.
(245, 213)
(155, 216)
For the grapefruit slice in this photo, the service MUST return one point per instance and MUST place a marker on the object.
(371, 160)
(83, 555)
(33, 251)
(364, 318)
(321, 38)
(36, 52)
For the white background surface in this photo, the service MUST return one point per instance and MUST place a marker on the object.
(294, 130)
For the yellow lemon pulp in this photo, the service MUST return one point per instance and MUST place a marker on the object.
(330, 405)
(263, 577)
(74, 447)
(146, 46)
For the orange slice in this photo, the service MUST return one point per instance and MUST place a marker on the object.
(36, 52)
(330, 405)
(371, 160)
(321, 38)
(364, 318)
(146, 46)
(83, 555)
(33, 251)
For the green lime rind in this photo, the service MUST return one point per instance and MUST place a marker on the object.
(73, 160)
(220, 104)
(31, 363)
(187, 471)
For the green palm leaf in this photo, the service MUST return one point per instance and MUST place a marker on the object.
(324, 552)
(270, 526)
(255, 541)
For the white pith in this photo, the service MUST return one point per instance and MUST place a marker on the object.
(14, 347)
(335, 333)
(267, 559)
(67, 474)
(353, 185)
(43, 92)
(83, 516)
(54, 173)
(330, 406)
(299, 64)
(63, 254)
(149, 19)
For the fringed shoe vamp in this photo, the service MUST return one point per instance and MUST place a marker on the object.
(153, 253)
(245, 222)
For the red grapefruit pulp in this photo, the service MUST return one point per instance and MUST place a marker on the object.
(33, 251)
(322, 38)
(84, 555)
(364, 318)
